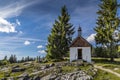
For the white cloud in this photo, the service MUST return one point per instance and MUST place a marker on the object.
(14, 9)
(40, 46)
(10, 11)
(27, 43)
(20, 33)
(17, 41)
(91, 38)
(10, 45)
(6, 26)
(42, 51)
(18, 22)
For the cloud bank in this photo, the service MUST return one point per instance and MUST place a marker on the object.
(6, 26)
(10, 11)
(91, 38)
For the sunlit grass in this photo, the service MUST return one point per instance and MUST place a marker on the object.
(106, 63)
(102, 75)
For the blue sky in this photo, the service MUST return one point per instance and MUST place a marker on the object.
(26, 24)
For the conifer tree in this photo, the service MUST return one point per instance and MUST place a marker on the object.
(107, 23)
(22, 60)
(60, 36)
(13, 59)
(5, 58)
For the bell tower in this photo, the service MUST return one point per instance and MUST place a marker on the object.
(79, 31)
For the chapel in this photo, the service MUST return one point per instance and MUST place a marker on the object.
(80, 48)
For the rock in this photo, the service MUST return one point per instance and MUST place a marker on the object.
(116, 69)
(36, 78)
(77, 75)
(58, 78)
(17, 66)
(47, 66)
(57, 69)
(95, 70)
(4, 79)
(11, 78)
(18, 69)
(43, 67)
(51, 65)
(34, 70)
(24, 77)
(47, 77)
(21, 78)
(53, 77)
(27, 63)
(5, 69)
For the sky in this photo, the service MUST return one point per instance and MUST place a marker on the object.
(26, 24)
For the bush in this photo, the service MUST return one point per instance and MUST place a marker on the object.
(101, 52)
(3, 62)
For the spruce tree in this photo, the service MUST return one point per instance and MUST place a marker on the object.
(107, 23)
(60, 36)
(13, 59)
(22, 60)
(5, 58)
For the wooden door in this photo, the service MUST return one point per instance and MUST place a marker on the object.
(79, 53)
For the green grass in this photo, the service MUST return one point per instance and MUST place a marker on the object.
(9, 74)
(1, 74)
(106, 63)
(15, 74)
(67, 69)
(102, 75)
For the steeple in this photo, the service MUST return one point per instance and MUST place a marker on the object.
(79, 31)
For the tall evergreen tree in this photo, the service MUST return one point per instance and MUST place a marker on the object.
(5, 58)
(60, 36)
(22, 60)
(107, 23)
(13, 59)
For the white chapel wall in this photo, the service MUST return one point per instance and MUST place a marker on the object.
(86, 53)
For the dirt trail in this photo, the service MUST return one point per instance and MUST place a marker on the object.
(107, 70)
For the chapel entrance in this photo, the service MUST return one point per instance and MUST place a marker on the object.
(79, 53)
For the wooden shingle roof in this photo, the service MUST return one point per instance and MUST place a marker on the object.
(80, 42)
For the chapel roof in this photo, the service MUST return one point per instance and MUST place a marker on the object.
(79, 41)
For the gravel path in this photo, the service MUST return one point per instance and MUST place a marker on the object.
(107, 70)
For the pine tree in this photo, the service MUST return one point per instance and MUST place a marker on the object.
(22, 60)
(60, 37)
(39, 58)
(107, 23)
(5, 58)
(14, 59)
(11, 59)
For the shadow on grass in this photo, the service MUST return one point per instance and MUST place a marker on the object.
(105, 61)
